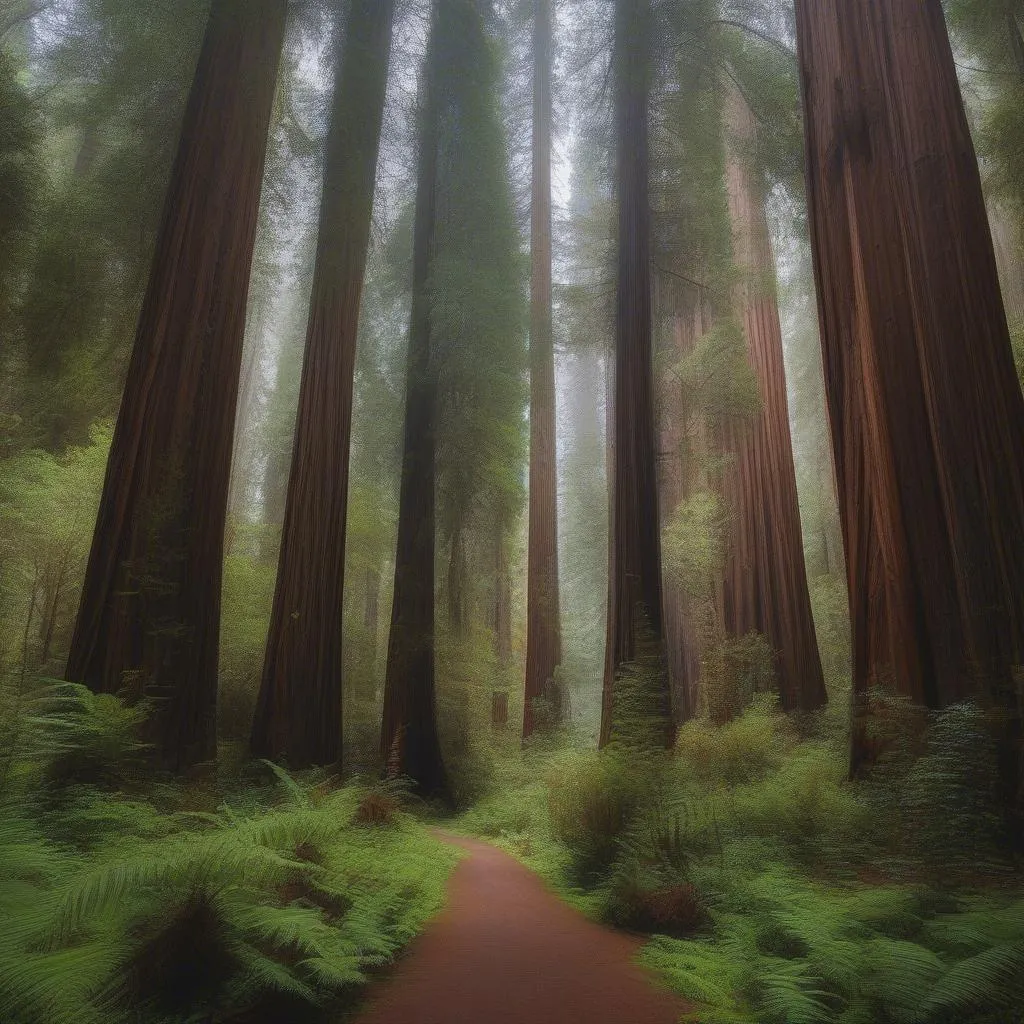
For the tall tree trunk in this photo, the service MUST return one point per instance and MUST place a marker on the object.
(926, 412)
(543, 617)
(150, 606)
(765, 586)
(635, 631)
(409, 741)
(298, 714)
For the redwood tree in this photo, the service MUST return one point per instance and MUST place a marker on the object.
(543, 621)
(765, 586)
(150, 607)
(635, 625)
(409, 741)
(299, 709)
(926, 414)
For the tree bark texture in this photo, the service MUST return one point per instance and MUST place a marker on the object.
(298, 715)
(543, 616)
(765, 583)
(635, 623)
(150, 608)
(409, 740)
(926, 413)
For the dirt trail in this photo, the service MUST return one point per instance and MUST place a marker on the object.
(506, 951)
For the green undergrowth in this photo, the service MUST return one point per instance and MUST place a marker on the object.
(257, 898)
(775, 890)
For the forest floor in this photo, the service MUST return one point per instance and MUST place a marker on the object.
(505, 950)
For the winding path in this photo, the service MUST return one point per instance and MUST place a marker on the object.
(506, 951)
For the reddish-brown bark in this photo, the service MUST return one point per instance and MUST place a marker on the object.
(150, 607)
(635, 624)
(543, 617)
(926, 413)
(409, 741)
(765, 581)
(298, 715)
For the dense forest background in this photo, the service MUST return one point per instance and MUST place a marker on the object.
(596, 424)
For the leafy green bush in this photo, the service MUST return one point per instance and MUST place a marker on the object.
(787, 949)
(733, 671)
(47, 513)
(273, 906)
(741, 751)
(761, 870)
(76, 737)
(592, 797)
(807, 807)
(694, 543)
(946, 771)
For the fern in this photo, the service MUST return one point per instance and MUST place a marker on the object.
(990, 980)
(787, 993)
(295, 792)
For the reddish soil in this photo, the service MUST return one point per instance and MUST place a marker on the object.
(507, 951)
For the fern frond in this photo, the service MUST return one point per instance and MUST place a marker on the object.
(990, 980)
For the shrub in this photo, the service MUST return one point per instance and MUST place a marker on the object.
(694, 543)
(591, 798)
(377, 807)
(733, 671)
(115, 907)
(72, 736)
(655, 908)
(787, 949)
(742, 751)
(808, 806)
(937, 768)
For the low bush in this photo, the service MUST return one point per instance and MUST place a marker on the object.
(275, 905)
(741, 751)
(592, 796)
(777, 890)
(643, 906)
(734, 672)
(786, 949)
